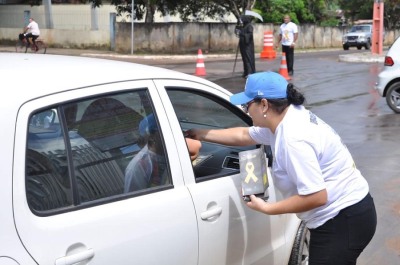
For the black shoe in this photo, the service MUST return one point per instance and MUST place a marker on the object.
(290, 73)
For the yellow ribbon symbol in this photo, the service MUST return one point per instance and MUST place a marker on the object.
(250, 173)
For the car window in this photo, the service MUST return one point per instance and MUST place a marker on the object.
(360, 29)
(104, 147)
(201, 110)
(48, 185)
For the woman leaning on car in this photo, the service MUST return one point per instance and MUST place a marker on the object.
(312, 168)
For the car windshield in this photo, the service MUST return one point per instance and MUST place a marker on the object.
(360, 28)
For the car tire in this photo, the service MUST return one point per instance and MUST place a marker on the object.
(359, 47)
(301, 246)
(345, 47)
(368, 45)
(393, 97)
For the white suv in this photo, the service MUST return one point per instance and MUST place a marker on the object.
(388, 84)
(72, 125)
(359, 36)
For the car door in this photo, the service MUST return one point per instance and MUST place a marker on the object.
(70, 206)
(229, 232)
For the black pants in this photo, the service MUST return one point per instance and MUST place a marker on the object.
(248, 58)
(33, 37)
(342, 239)
(289, 52)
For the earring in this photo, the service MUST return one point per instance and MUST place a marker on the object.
(265, 115)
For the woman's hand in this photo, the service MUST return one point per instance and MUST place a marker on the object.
(258, 204)
(293, 204)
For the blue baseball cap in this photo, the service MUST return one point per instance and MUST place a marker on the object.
(148, 125)
(269, 85)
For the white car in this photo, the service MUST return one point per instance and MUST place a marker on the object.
(388, 84)
(73, 124)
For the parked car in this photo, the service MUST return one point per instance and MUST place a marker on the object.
(70, 130)
(388, 84)
(359, 36)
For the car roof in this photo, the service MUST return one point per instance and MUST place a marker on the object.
(27, 76)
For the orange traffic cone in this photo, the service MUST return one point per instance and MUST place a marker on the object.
(268, 50)
(200, 68)
(283, 71)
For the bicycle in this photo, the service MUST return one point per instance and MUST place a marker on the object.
(22, 45)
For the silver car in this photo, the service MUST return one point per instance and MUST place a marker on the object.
(73, 125)
(359, 36)
(388, 84)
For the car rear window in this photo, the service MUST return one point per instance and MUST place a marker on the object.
(93, 151)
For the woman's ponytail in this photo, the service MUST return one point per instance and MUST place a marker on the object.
(294, 96)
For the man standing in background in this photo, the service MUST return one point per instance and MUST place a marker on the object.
(288, 34)
(246, 45)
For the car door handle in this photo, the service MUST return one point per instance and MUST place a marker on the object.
(215, 211)
(75, 258)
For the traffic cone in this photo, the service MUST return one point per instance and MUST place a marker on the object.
(268, 50)
(283, 71)
(200, 68)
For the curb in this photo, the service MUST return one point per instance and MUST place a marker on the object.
(366, 57)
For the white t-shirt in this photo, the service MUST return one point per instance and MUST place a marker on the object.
(310, 156)
(287, 31)
(33, 28)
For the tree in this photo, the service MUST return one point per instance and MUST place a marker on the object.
(300, 11)
(188, 10)
(357, 9)
(392, 14)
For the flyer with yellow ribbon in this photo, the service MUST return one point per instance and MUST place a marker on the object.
(253, 172)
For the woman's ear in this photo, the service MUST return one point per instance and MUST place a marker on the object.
(265, 105)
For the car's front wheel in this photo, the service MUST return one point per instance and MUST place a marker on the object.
(345, 47)
(301, 246)
(393, 97)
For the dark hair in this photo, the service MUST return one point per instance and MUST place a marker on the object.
(293, 97)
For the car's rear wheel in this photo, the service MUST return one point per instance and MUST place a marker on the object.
(359, 47)
(393, 97)
(301, 246)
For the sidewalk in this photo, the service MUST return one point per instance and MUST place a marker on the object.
(366, 56)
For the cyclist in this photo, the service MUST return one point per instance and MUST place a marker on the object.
(32, 32)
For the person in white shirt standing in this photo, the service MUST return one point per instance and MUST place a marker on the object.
(32, 32)
(288, 34)
(312, 168)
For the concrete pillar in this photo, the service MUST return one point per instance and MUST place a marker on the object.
(377, 28)
(48, 14)
(27, 15)
(94, 17)
(113, 19)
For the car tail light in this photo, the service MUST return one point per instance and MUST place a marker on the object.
(389, 61)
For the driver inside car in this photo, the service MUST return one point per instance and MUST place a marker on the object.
(148, 168)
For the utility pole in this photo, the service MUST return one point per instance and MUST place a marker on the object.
(133, 23)
(377, 28)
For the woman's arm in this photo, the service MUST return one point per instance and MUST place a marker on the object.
(294, 204)
(238, 136)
